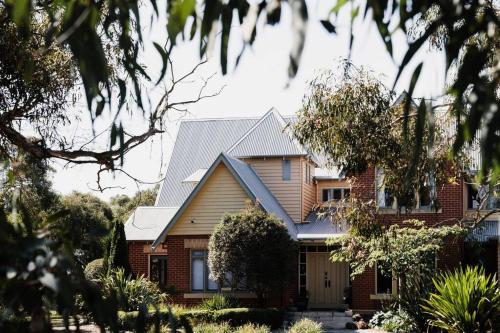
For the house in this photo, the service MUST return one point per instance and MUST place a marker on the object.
(219, 165)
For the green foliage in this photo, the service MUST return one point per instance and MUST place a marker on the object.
(131, 293)
(466, 300)
(226, 328)
(123, 205)
(218, 302)
(95, 269)
(306, 326)
(156, 320)
(252, 328)
(340, 111)
(236, 317)
(255, 249)
(392, 321)
(116, 254)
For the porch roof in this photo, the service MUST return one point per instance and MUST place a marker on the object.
(146, 223)
(319, 227)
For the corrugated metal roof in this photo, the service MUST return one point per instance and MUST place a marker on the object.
(146, 223)
(319, 227)
(196, 176)
(197, 145)
(268, 137)
(199, 142)
(250, 182)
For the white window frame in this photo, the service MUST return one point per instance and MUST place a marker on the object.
(206, 278)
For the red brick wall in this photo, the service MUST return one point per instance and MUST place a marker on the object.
(137, 258)
(179, 271)
(450, 198)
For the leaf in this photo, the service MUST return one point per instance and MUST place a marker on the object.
(123, 91)
(299, 27)
(226, 18)
(178, 12)
(273, 10)
(328, 26)
(20, 11)
(113, 135)
(338, 6)
(413, 82)
(164, 58)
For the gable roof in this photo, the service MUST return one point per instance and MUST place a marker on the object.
(146, 223)
(199, 142)
(252, 185)
(268, 137)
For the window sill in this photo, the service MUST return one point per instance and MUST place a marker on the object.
(382, 297)
(389, 211)
(240, 295)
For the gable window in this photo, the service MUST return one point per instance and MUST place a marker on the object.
(329, 194)
(383, 283)
(200, 280)
(158, 269)
(287, 169)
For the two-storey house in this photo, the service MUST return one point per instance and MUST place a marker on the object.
(218, 166)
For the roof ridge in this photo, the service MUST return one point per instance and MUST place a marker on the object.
(251, 129)
(218, 119)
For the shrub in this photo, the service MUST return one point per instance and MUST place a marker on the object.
(218, 302)
(240, 316)
(392, 321)
(465, 301)
(94, 269)
(251, 328)
(132, 293)
(255, 249)
(116, 254)
(306, 326)
(212, 328)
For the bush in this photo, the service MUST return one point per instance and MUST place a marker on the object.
(251, 328)
(212, 328)
(132, 293)
(235, 317)
(306, 326)
(94, 269)
(255, 249)
(465, 301)
(218, 302)
(392, 321)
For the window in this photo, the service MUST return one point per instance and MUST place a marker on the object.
(309, 173)
(424, 196)
(158, 269)
(200, 280)
(383, 282)
(476, 195)
(287, 169)
(385, 199)
(336, 194)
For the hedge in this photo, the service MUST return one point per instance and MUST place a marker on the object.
(271, 317)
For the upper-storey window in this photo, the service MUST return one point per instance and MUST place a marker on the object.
(328, 194)
(424, 195)
(287, 169)
(309, 173)
(477, 195)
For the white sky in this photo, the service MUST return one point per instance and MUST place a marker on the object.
(257, 84)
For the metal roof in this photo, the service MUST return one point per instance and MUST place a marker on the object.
(250, 182)
(319, 227)
(196, 176)
(199, 142)
(268, 137)
(146, 223)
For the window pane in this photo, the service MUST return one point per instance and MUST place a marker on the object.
(347, 193)
(198, 253)
(337, 194)
(325, 195)
(158, 269)
(286, 169)
(388, 198)
(211, 284)
(197, 274)
(425, 196)
(384, 283)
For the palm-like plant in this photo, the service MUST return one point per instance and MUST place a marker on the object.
(466, 300)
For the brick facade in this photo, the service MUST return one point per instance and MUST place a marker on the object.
(450, 198)
(178, 255)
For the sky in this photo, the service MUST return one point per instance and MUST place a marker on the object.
(258, 83)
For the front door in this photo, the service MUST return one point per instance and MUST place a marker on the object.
(326, 281)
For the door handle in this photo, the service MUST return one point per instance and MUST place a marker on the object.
(329, 283)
